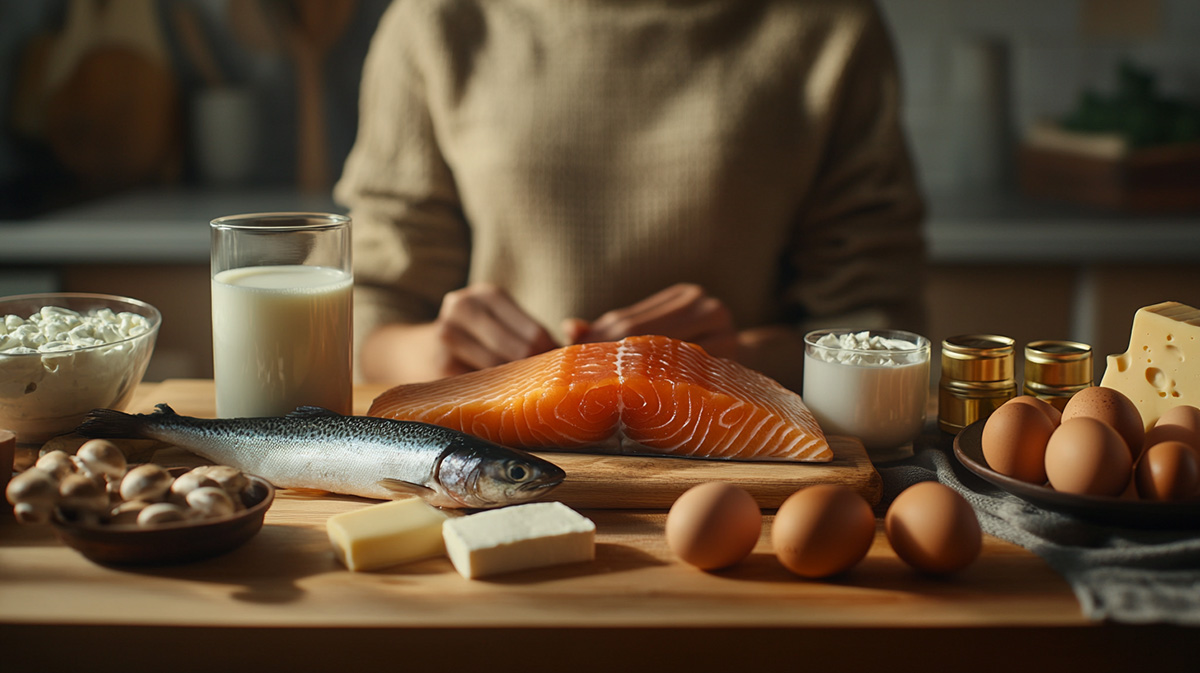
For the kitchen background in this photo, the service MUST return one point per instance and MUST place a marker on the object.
(115, 196)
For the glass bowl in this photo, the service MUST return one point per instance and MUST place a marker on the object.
(45, 394)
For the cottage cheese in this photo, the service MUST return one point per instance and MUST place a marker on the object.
(59, 364)
(871, 385)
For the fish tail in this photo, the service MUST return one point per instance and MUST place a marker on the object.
(111, 423)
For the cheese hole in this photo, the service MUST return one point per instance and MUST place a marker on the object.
(1156, 378)
(1174, 352)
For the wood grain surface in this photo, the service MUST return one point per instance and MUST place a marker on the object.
(283, 602)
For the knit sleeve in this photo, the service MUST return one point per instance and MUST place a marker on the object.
(858, 254)
(410, 241)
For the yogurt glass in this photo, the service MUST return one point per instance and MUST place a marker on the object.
(871, 384)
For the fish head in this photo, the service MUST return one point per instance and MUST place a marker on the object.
(482, 474)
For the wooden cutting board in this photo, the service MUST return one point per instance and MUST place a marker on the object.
(613, 482)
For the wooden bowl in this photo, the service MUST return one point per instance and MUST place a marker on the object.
(181, 542)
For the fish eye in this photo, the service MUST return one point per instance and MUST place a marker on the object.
(517, 472)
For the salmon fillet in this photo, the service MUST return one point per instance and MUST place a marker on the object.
(646, 395)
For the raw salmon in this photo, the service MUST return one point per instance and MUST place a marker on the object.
(647, 395)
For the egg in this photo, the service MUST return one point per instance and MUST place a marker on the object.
(1088, 457)
(933, 529)
(1014, 441)
(822, 530)
(713, 525)
(1043, 406)
(1168, 471)
(1113, 408)
(1180, 424)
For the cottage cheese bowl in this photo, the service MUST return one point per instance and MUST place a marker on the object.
(872, 384)
(64, 354)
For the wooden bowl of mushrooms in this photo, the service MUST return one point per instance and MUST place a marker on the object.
(145, 514)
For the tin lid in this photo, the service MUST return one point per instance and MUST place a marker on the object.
(978, 357)
(1058, 363)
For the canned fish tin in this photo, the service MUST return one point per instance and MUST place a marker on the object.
(1056, 370)
(977, 377)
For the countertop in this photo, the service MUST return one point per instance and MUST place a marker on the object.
(283, 602)
(988, 226)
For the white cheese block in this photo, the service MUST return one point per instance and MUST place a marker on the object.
(387, 534)
(519, 537)
(1161, 368)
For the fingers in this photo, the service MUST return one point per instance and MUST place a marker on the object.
(683, 311)
(482, 327)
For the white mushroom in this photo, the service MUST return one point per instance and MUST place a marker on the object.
(82, 496)
(234, 481)
(58, 463)
(33, 494)
(102, 457)
(160, 513)
(147, 482)
(127, 513)
(210, 502)
(188, 482)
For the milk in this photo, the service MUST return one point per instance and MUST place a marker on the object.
(281, 339)
(878, 394)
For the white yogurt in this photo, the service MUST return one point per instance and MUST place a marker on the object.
(873, 385)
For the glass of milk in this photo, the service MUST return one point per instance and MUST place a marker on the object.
(871, 384)
(281, 313)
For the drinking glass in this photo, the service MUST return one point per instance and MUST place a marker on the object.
(281, 313)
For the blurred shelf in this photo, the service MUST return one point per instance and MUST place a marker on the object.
(151, 227)
(998, 227)
(964, 227)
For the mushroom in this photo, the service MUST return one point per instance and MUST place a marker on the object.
(234, 481)
(127, 513)
(188, 482)
(101, 457)
(148, 482)
(33, 494)
(160, 513)
(82, 497)
(210, 502)
(56, 462)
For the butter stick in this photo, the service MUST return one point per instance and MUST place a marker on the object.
(388, 534)
(519, 537)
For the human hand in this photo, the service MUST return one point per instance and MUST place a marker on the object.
(481, 326)
(683, 311)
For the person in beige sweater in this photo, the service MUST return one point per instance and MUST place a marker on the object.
(532, 173)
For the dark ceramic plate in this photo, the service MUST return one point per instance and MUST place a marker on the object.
(968, 448)
(170, 543)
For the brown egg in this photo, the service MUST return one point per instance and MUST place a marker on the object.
(1087, 457)
(933, 529)
(1041, 405)
(1014, 441)
(1112, 407)
(713, 525)
(822, 530)
(1178, 424)
(1168, 471)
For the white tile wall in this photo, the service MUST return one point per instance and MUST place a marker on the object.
(1050, 63)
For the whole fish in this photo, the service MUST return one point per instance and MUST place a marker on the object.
(354, 455)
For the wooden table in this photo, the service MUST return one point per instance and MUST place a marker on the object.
(283, 602)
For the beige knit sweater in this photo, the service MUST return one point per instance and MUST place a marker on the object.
(584, 154)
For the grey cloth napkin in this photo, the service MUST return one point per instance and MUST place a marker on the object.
(1118, 574)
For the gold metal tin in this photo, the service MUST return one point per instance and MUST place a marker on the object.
(977, 377)
(1056, 370)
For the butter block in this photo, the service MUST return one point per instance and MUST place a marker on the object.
(387, 534)
(1161, 368)
(520, 537)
